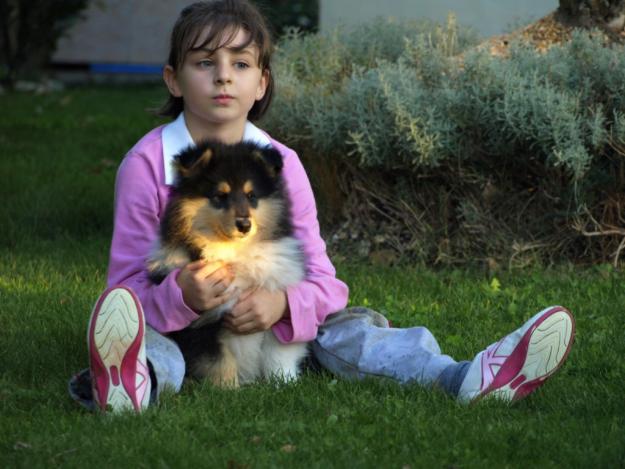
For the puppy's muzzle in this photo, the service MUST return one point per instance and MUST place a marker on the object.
(243, 224)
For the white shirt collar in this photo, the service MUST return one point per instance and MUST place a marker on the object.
(176, 137)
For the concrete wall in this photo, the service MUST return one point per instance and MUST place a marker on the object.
(122, 31)
(137, 31)
(489, 17)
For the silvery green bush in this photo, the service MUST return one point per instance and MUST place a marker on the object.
(500, 153)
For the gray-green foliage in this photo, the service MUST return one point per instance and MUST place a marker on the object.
(421, 98)
(391, 96)
(354, 91)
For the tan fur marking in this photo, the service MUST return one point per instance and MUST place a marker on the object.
(222, 371)
(197, 223)
(248, 187)
(184, 172)
(201, 161)
(259, 156)
(224, 187)
(225, 372)
(208, 223)
(190, 207)
(206, 156)
(185, 216)
(267, 214)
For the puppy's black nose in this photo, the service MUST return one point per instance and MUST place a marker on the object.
(243, 224)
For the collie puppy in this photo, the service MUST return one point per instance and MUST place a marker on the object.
(230, 205)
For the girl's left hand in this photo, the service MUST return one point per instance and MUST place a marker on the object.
(257, 310)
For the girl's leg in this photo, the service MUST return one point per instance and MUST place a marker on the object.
(130, 364)
(358, 342)
(166, 362)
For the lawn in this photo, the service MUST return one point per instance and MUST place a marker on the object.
(58, 156)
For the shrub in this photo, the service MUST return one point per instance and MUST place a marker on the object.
(30, 31)
(302, 14)
(475, 157)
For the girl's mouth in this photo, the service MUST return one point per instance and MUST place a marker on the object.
(223, 99)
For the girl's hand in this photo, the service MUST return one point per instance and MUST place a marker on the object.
(257, 310)
(203, 284)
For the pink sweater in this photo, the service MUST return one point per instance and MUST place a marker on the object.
(142, 190)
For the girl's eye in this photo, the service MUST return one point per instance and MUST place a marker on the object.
(241, 65)
(205, 63)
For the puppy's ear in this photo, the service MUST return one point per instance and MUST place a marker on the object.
(192, 158)
(271, 158)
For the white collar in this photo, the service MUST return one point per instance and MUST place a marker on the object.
(176, 137)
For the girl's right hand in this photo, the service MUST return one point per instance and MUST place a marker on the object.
(203, 284)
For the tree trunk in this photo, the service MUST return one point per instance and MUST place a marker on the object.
(7, 40)
(593, 12)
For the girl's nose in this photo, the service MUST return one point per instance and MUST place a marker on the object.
(223, 75)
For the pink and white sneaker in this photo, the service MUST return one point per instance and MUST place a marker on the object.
(520, 362)
(119, 372)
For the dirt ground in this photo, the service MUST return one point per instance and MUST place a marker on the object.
(556, 28)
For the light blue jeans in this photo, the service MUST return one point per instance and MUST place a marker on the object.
(354, 343)
(358, 343)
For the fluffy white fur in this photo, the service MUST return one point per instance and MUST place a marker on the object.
(272, 265)
(262, 355)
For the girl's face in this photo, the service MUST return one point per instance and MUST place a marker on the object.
(219, 88)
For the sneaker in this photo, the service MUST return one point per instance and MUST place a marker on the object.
(520, 362)
(120, 376)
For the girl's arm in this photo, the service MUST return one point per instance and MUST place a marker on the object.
(138, 205)
(321, 293)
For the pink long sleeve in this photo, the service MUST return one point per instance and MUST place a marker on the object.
(139, 204)
(321, 293)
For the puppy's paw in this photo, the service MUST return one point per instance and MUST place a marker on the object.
(225, 372)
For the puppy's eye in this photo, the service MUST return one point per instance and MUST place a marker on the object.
(251, 197)
(220, 198)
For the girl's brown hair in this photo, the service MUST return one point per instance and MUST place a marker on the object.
(222, 19)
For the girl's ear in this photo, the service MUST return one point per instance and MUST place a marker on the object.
(169, 77)
(262, 85)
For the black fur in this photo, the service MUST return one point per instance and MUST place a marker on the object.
(235, 163)
(197, 343)
(199, 176)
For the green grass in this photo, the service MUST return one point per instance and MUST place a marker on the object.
(58, 155)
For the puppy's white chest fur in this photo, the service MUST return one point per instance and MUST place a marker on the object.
(273, 265)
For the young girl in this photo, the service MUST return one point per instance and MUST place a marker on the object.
(219, 79)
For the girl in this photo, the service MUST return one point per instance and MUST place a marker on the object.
(219, 78)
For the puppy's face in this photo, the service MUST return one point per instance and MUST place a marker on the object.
(231, 191)
(232, 207)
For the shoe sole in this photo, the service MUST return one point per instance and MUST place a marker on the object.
(115, 336)
(542, 350)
